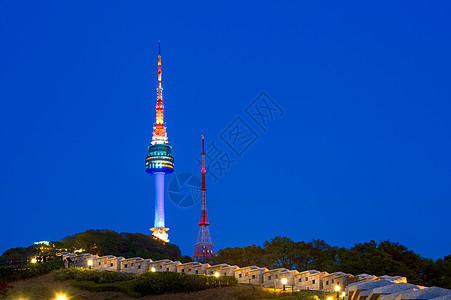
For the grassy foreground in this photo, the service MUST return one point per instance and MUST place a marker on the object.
(47, 287)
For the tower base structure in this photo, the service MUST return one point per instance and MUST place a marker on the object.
(160, 233)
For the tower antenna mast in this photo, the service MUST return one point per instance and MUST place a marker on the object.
(204, 249)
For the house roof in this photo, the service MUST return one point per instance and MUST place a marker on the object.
(434, 292)
(219, 266)
(310, 272)
(278, 270)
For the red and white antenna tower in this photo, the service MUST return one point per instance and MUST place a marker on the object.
(204, 249)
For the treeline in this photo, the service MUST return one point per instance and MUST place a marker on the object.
(100, 242)
(384, 258)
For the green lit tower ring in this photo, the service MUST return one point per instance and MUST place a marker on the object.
(159, 160)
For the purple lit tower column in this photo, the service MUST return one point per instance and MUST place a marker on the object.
(159, 160)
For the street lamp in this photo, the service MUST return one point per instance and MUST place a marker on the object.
(284, 281)
(337, 289)
(61, 297)
(217, 274)
(33, 260)
(153, 269)
(89, 264)
(343, 295)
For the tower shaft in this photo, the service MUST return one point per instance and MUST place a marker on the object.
(204, 248)
(159, 199)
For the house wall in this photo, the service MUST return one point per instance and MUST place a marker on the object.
(257, 276)
(242, 275)
(229, 271)
(114, 264)
(158, 265)
(131, 265)
(213, 269)
(101, 263)
(271, 277)
(329, 282)
(171, 266)
(200, 269)
(187, 267)
(309, 280)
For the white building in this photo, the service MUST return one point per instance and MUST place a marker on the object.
(216, 268)
(354, 290)
(101, 263)
(287, 275)
(158, 265)
(228, 271)
(68, 258)
(187, 267)
(336, 279)
(135, 265)
(243, 274)
(271, 277)
(171, 266)
(308, 280)
(200, 268)
(114, 263)
(379, 292)
(432, 293)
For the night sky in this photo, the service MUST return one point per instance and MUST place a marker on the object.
(352, 143)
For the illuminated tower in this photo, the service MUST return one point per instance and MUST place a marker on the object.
(159, 161)
(204, 249)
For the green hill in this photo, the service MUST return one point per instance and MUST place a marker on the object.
(100, 242)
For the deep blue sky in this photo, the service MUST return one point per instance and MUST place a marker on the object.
(362, 151)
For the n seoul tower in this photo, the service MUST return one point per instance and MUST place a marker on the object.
(159, 161)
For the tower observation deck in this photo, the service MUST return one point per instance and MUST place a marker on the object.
(159, 160)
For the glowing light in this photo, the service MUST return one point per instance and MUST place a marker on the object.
(284, 281)
(337, 288)
(89, 262)
(153, 269)
(329, 298)
(33, 260)
(61, 297)
(343, 294)
(217, 274)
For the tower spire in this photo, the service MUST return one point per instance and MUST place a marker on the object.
(204, 249)
(159, 130)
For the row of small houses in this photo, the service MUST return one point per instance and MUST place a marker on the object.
(357, 287)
